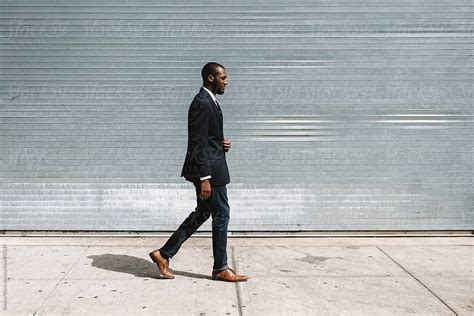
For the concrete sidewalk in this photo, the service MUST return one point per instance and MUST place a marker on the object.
(288, 276)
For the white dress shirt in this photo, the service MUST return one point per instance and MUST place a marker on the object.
(211, 94)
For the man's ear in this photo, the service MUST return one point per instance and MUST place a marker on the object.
(210, 78)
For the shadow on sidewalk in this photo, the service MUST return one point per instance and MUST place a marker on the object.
(138, 267)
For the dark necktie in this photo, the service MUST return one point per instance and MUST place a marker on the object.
(218, 107)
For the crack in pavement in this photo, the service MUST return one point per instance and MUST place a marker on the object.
(237, 285)
(5, 277)
(60, 281)
(418, 280)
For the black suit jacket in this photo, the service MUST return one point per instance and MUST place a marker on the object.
(205, 155)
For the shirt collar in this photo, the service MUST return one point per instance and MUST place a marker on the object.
(211, 94)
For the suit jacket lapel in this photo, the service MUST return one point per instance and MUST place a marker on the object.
(216, 110)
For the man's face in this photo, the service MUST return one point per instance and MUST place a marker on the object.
(219, 81)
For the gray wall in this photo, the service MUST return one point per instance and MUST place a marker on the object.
(344, 115)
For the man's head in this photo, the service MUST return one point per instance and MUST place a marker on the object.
(214, 77)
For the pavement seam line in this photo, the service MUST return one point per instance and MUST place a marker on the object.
(5, 277)
(60, 281)
(237, 285)
(418, 280)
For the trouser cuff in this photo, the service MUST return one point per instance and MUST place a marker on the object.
(165, 255)
(220, 270)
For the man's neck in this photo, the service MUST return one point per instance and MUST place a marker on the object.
(212, 95)
(209, 88)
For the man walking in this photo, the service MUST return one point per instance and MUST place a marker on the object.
(205, 166)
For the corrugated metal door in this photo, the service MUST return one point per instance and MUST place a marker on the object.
(343, 115)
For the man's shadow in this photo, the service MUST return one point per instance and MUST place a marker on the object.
(138, 267)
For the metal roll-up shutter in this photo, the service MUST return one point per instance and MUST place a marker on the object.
(344, 115)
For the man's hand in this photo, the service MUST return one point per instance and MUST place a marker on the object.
(205, 190)
(226, 144)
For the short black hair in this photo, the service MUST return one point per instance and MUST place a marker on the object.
(210, 69)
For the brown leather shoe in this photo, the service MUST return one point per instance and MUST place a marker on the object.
(228, 275)
(162, 264)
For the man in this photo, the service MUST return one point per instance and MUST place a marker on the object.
(205, 166)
